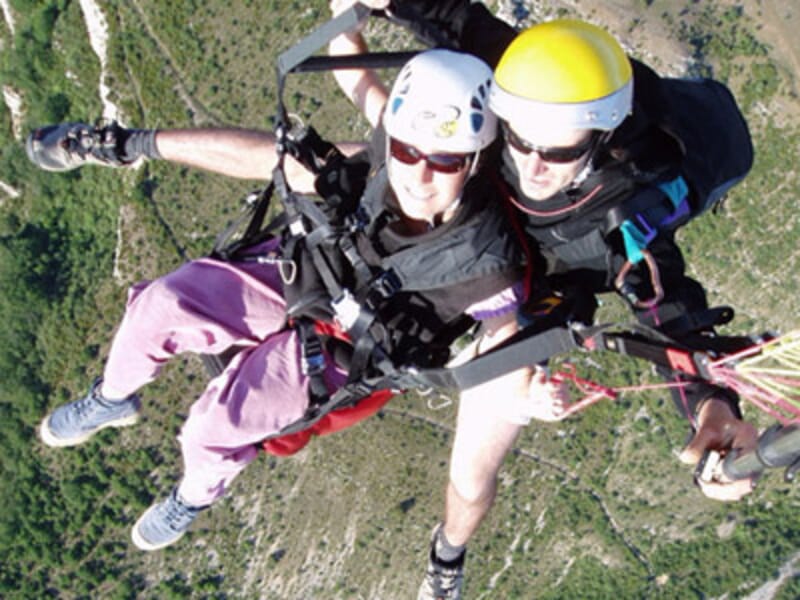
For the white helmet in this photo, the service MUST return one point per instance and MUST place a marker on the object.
(440, 101)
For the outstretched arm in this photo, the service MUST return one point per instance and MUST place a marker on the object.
(241, 153)
(362, 86)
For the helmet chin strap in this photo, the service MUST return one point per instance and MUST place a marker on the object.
(588, 168)
(447, 212)
(474, 166)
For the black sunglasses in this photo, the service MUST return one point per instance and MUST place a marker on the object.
(441, 162)
(553, 154)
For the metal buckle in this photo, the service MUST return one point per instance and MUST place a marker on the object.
(357, 221)
(287, 275)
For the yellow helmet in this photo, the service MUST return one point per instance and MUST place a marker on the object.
(564, 74)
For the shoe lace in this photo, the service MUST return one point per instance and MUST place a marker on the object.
(85, 406)
(177, 514)
(90, 403)
(99, 141)
(444, 579)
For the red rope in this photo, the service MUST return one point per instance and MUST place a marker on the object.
(594, 392)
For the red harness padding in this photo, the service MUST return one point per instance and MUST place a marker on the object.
(334, 421)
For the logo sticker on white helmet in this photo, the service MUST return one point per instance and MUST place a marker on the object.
(441, 122)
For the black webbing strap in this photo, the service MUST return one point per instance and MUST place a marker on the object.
(255, 212)
(299, 58)
(522, 350)
(372, 60)
(346, 396)
(358, 325)
(348, 20)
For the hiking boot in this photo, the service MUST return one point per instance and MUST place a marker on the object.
(164, 523)
(443, 579)
(68, 146)
(74, 423)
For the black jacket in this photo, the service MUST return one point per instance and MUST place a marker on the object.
(417, 286)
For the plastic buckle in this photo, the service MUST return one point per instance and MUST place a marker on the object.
(387, 284)
(347, 310)
(297, 227)
(312, 364)
(312, 359)
(357, 221)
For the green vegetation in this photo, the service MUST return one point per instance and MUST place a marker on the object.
(596, 507)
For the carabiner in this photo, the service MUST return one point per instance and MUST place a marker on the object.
(627, 290)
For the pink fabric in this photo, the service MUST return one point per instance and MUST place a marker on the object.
(206, 306)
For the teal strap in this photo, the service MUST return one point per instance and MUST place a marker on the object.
(638, 233)
(635, 241)
(676, 190)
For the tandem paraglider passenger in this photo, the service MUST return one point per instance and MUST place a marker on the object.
(409, 257)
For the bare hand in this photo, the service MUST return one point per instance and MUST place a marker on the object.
(548, 400)
(719, 429)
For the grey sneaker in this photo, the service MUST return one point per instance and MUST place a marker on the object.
(74, 423)
(68, 146)
(164, 523)
(443, 579)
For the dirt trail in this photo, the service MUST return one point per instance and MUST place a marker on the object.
(768, 591)
(97, 26)
(8, 15)
(200, 114)
(13, 101)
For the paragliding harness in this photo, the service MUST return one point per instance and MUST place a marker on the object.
(318, 253)
(728, 361)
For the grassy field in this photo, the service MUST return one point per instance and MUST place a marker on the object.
(595, 507)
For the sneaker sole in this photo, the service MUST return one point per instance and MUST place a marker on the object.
(143, 544)
(33, 156)
(50, 439)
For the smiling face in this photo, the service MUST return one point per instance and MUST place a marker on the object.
(427, 188)
(540, 178)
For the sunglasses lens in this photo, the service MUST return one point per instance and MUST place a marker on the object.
(517, 142)
(447, 163)
(564, 154)
(406, 154)
(441, 162)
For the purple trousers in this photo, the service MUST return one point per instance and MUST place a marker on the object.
(206, 306)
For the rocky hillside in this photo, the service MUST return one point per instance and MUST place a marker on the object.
(595, 507)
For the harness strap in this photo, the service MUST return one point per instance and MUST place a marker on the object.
(521, 350)
(312, 362)
(294, 56)
(255, 211)
(651, 201)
